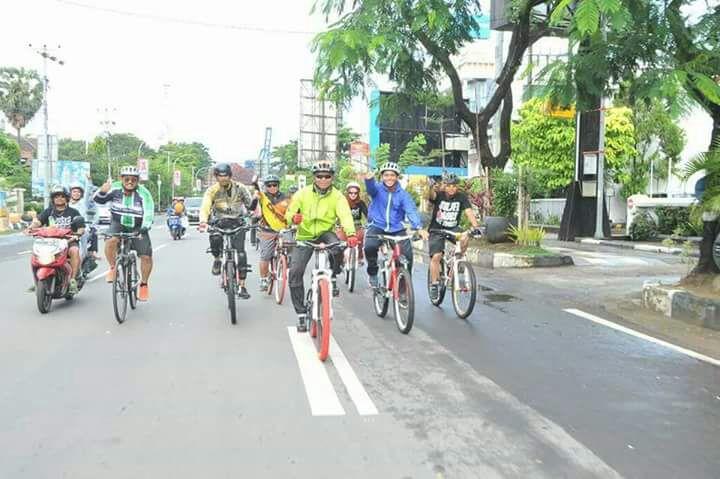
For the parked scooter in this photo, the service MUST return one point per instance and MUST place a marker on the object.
(51, 265)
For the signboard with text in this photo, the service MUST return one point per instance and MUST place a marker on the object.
(177, 177)
(142, 166)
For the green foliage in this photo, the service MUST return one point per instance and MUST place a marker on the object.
(547, 145)
(504, 193)
(21, 94)
(643, 227)
(673, 219)
(414, 153)
(382, 154)
(12, 173)
(526, 236)
(709, 163)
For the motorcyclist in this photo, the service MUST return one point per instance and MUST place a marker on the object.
(61, 215)
(389, 206)
(79, 201)
(226, 203)
(177, 209)
(132, 209)
(315, 210)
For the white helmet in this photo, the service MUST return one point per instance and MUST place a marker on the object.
(390, 166)
(129, 171)
(352, 184)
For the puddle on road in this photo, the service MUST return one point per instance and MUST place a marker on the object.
(499, 298)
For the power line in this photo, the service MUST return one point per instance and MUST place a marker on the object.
(184, 21)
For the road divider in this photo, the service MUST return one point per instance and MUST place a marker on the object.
(637, 334)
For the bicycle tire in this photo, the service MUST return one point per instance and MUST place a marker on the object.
(272, 275)
(462, 268)
(352, 270)
(132, 284)
(120, 294)
(282, 274)
(442, 287)
(231, 290)
(404, 309)
(380, 299)
(322, 340)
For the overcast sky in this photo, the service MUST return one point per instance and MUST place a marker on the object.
(226, 84)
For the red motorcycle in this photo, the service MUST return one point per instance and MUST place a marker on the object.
(51, 265)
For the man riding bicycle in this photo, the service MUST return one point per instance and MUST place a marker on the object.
(273, 204)
(315, 210)
(226, 203)
(60, 215)
(389, 206)
(132, 209)
(358, 209)
(448, 206)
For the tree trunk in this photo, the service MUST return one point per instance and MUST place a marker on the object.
(19, 140)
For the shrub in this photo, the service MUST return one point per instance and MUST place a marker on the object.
(643, 227)
(526, 236)
(504, 193)
(670, 218)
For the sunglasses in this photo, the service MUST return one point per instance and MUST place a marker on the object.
(323, 177)
(352, 193)
(271, 185)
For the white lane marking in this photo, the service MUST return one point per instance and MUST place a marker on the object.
(25, 252)
(318, 388)
(363, 403)
(632, 332)
(98, 276)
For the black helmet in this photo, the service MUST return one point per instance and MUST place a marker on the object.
(272, 179)
(222, 169)
(451, 179)
(59, 190)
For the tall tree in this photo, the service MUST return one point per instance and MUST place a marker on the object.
(413, 43)
(21, 95)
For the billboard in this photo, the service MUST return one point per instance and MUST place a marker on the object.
(65, 173)
(142, 166)
(320, 121)
(177, 176)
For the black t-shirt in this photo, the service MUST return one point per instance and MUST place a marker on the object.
(358, 211)
(59, 219)
(446, 212)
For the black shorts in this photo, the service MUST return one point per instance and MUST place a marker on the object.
(437, 243)
(141, 244)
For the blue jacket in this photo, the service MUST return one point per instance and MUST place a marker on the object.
(388, 209)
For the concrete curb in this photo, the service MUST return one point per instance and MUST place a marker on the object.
(638, 247)
(677, 303)
(492, 260)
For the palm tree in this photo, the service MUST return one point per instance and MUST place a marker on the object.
(21, 95)
(709, 163)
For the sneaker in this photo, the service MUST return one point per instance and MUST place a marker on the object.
(301, 324)
(264, 282)
(243, 294)
(336, 290)
(434, 291)
(143, 293)
(373, 280)
(110, 275)
(217, 264)
(73, 288)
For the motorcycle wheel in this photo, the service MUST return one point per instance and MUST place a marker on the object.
(43, 293)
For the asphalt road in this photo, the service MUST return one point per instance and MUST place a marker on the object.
(521, 389)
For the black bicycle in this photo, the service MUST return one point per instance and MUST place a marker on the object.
(230, 274)
(126, 275)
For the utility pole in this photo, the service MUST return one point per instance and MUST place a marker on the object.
(46, 55)
(107, 123)
(599, 230)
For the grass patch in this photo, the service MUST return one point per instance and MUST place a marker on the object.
(533, 251)
(510, 248)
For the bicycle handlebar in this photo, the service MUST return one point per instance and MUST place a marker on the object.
(322, 246)
(134, 234)
(231, 231)
(453, 234)
(396, 238)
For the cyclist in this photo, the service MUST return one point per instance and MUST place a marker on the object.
(132, 209)
(61, 215)
(273, 204)
(79, 201)
(226, 203)
(358, 209)
(315, 210)
(448, 206)
(389, 206)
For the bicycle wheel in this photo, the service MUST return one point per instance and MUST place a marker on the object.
(272, 275)
(120, 292)
(464, 289)
(322, 340)
(132, 283)
(282, 278)
(231, 290)
(380, 299)
(442, 287)
(404, 301)
(351, 269)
